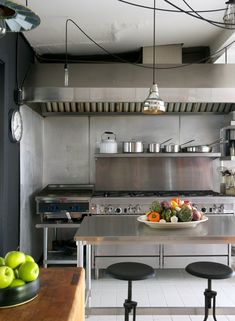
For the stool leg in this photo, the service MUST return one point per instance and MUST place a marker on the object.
(214, 296)
(206, 306)
(126, 313)
(134, 309)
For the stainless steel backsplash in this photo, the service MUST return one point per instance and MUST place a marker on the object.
(158, 174)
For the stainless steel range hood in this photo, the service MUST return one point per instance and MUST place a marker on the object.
(104, 89)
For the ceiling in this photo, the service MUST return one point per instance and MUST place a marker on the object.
(120, 27)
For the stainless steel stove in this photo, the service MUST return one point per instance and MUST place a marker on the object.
(64, 201)
(138, 202)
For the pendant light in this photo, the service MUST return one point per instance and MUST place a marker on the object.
(16, 18)
(229, 15)
(153, 104)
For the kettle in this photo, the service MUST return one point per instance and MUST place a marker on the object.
(108, 143)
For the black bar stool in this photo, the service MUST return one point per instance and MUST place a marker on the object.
(209, 271)
(130, 271)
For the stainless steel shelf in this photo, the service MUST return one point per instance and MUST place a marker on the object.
(147, 155)
(228, 158)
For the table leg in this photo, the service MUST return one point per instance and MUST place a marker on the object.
(88, 274)
(45, 245)
(229, 261)
(79, 253)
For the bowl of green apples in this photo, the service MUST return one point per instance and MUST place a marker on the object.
(19, 279)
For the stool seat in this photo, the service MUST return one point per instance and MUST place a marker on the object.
(130, 271)
(209, 270)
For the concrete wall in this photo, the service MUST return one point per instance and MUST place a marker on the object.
(31, 175)
(68, 140)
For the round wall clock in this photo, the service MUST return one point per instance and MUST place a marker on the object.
(16, 126)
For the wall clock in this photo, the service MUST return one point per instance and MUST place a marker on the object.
(16, 126)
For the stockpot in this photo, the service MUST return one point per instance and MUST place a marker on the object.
(175, 148)
(133, 147)
(156, 147)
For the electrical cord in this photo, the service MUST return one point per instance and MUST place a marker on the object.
(216, 23)
(192, 13)
(168, 10)
(131, 63)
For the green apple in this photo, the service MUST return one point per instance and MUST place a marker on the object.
(29, 258)
(2, 261)
(14, 259)
(28, 271)
(17, 282)
(6, 276)
(16, 272)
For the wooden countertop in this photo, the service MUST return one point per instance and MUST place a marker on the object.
(61, 298)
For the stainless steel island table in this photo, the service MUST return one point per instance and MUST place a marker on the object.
(121, 229)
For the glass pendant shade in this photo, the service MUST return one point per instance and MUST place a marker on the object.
(17, 18)
(153, 103)
(229, 15)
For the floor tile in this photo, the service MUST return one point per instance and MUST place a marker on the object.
(170, 288)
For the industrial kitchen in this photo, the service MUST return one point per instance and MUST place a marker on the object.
(117, 194)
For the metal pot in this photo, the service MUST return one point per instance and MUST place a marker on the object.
(133, 147)
(108, 143)
(175, 148)
(204, 148)
(156, 147)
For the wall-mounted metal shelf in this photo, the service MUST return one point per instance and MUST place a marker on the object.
(227, 158)
(147, 155)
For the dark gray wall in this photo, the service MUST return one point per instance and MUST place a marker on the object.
(10, 152)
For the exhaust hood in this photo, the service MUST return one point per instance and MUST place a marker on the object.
(117, 88)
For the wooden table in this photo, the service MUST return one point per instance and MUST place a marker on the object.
(61, 298)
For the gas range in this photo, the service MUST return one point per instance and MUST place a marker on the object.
(138, 202)
(64, 201)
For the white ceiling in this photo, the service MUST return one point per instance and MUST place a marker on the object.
(120, 27)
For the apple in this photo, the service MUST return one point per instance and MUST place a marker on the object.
(29, 258)
(14, 259)
(16, 272)
(6, 276)
(17, 282)
(2, 261)
(28, 271)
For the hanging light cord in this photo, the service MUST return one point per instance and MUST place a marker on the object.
(192, 13)
(126, 61)
(215, 23)
(154, 40)
(169, 10)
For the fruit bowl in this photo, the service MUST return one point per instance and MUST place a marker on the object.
(19, 295)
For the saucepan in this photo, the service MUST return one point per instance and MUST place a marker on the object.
(156, 147)
(175, 148)
(203, 148)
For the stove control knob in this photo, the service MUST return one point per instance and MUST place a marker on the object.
(118, 210)
(203, 209)
(221, 208)
(109, 209)
(137, 208)
(101, 209)
(130, 209)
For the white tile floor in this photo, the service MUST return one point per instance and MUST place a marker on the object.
(170, 288)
